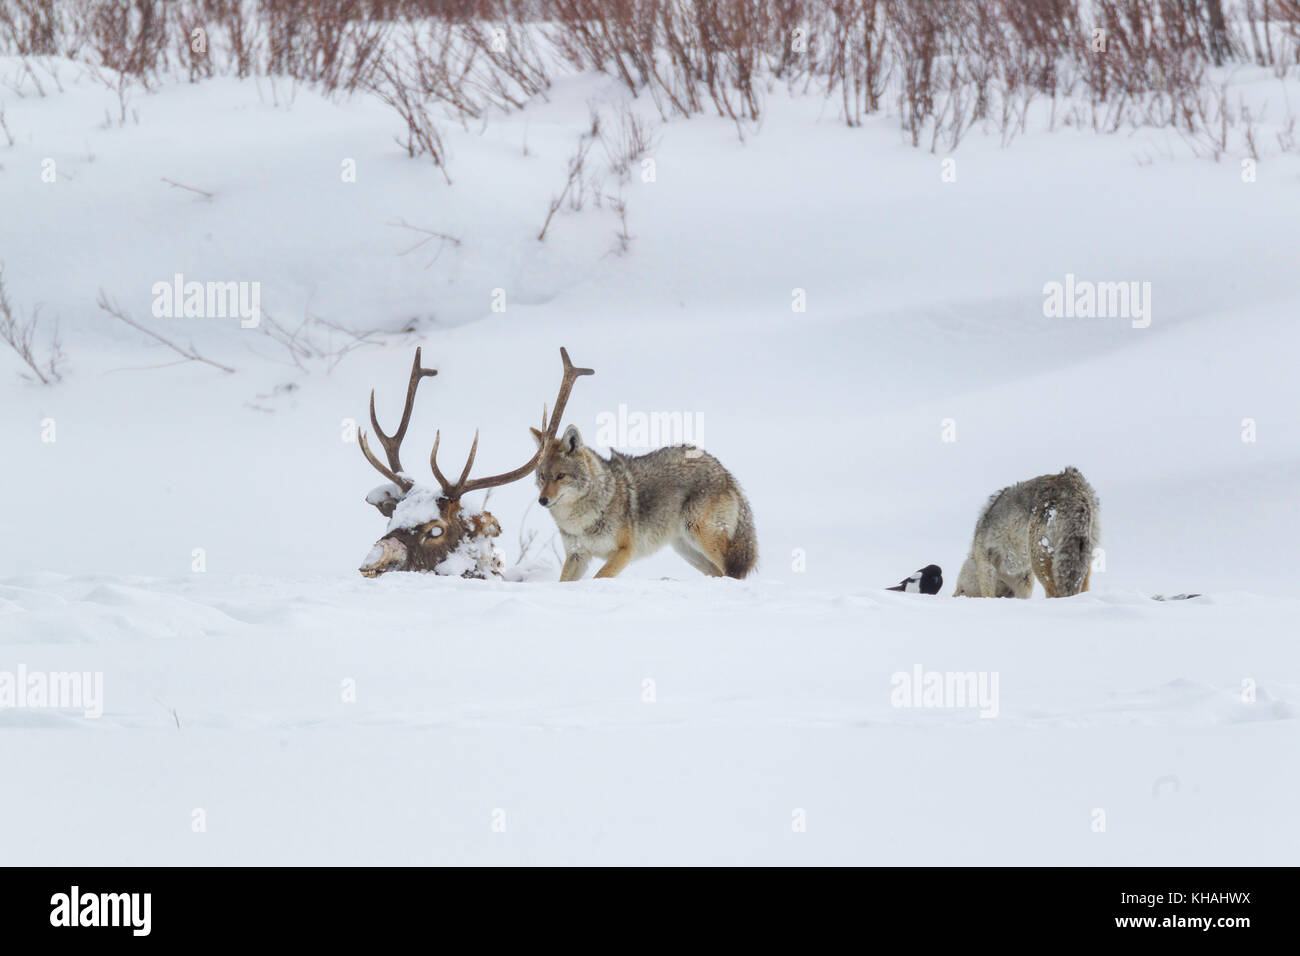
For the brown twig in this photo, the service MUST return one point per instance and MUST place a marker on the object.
(429, 235)
(113, 309)
(20, 334)
(576, 163)
(194, 189)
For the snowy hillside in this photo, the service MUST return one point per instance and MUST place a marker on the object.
(193, 535)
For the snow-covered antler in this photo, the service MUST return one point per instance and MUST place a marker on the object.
(429, 530)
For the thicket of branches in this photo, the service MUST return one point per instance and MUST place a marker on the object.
(938, 66)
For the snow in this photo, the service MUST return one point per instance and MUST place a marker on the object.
(473, 696)
(193, 535)
(476, 555)
(382, 493)
(419, 506)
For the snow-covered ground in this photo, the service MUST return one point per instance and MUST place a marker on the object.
(313, 716)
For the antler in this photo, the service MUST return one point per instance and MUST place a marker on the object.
(566, 386)
(462, 486)
(393, 443)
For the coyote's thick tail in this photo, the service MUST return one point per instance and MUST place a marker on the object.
(1072, 561)
(742, 550)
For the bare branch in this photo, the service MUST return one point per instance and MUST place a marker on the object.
(189, 354)
(429, 236)
(20, 335)
(576, 163)
(194, 189)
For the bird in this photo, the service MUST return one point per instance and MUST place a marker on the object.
(926, 581)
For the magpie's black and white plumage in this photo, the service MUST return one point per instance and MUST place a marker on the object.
(926, 581)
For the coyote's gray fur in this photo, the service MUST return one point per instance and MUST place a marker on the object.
(1046, 527)
(627, 507)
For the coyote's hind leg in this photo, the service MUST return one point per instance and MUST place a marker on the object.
(695, 559)
(1045, 579)
(1020, 586)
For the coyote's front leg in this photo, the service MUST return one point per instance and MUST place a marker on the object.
(575, 565)
(621, 556)
(616, 563)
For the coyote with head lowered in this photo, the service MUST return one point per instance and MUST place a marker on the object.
(627, 507)
(1045, 527)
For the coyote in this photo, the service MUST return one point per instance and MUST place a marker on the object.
(627, 507)
(1046, 528)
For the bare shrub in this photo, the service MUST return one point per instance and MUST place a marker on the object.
(30, 27)
(1288, 12)
(333, 43)
(946, 63)
(435, 62)
(190, 17)
(429, 236)
(516, 67)
(574, 179)
(618, 37)
(916, 31)
(129, 37)
(856, 54)
(399, 89)
(685, 54)
(316, 341)
(623, 236)
(625, 140)
(228, 19)
(19, 334)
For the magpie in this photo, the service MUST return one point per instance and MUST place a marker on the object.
(926, 581)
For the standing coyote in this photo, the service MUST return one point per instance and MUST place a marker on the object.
(1045, 527)
(629, 507)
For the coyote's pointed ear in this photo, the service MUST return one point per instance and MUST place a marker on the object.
(538, 437)
(572, 440)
